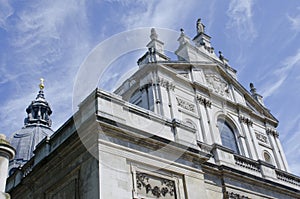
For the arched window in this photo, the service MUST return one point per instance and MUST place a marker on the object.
(267, 157)
(143, 98)
(228, 138)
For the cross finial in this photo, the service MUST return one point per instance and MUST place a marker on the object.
(41, 85)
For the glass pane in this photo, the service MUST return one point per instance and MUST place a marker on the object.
(227, 136)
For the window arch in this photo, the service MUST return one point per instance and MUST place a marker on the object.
(267, 157)
(143, 97)
(228, 137)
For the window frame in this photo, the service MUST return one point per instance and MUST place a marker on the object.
(233, 131)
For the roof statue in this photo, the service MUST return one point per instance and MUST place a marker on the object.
(252, 89)
(200, 27)
(153, 34)
(255, 95)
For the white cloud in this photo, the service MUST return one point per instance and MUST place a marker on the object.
(292, 148)
(240, 18)
(165, 14)
(295, 21)
(37, 34)
(280, 75)
(5, 11)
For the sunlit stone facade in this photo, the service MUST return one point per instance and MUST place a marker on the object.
(182, 129)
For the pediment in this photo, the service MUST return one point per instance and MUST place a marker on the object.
(224, 85)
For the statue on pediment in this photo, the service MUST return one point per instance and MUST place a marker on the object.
(200, 27)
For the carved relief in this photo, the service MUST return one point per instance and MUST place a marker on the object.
(202, 100)
(232, 195)
(217, 84)
(261, 137)
(186, 105)
(154, 186)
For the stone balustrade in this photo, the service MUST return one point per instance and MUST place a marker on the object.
(287, 177)
(280, 176)
(247, 163)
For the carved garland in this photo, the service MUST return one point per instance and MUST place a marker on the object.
(167, 186)
(186, 105)
(261, 137)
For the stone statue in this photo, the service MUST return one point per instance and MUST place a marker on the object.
(200, 26)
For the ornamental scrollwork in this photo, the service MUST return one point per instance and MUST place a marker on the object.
(186, 105)
(217, 84)
(160, 190)
(261, 137)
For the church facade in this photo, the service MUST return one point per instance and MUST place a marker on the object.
(176, 129)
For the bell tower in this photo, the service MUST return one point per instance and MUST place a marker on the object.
(37, 126)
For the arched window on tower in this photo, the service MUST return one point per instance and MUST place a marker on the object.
(228, 137)
(143, 97)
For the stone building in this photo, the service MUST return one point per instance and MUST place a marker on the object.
(176, 129)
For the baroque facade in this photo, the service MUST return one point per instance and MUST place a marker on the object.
(176, 129)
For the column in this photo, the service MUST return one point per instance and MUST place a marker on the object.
(207, 104)
(255, 144)
(7, 152)
(245, 122)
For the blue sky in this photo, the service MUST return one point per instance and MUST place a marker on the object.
(51, 39)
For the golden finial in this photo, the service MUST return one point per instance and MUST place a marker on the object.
(42, 86)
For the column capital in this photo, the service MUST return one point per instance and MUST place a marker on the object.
(272, 131)
(205, 101)
(246, 120)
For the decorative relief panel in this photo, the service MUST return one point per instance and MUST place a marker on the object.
(260, 137)
(217, 84)
(232, 195)
(152, 186)
(186, 105)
